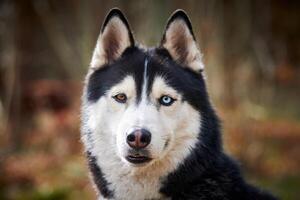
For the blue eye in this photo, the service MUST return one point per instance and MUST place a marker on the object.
(166, 100)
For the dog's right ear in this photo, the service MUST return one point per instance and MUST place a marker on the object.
(180, 42)
(114, 38)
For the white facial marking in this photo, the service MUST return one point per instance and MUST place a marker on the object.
(145, 81)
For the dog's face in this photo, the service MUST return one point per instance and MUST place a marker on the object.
(143, 103)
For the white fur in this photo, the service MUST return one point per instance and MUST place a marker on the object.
(109, 121)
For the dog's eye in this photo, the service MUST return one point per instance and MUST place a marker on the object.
(121, 98)
(166, 100)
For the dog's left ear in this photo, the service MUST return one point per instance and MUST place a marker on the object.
(114, 38)
(180, 41)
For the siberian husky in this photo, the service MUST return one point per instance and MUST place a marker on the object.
(148, 127)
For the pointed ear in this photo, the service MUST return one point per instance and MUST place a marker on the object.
(114, 38)
(180, 41)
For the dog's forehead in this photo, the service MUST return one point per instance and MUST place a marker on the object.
(149, 73)
(138, 63)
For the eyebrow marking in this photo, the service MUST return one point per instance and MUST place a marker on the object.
(145, 81)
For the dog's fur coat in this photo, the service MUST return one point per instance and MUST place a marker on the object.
(162, 89)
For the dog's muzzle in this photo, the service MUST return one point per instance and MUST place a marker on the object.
(138, 139)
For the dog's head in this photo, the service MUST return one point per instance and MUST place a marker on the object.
(144, 104)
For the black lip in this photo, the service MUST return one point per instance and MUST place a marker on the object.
(137, 159)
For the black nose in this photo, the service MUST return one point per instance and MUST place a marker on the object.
(138, 138)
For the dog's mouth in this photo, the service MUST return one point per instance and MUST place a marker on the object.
(138, 159)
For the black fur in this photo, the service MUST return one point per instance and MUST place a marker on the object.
(98, 177)
(131, 62)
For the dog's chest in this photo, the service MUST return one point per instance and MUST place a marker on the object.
(126, 186)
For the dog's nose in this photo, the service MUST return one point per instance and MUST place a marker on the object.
(138, 138)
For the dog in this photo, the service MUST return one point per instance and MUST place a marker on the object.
(148, 127)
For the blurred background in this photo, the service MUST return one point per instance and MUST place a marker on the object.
(252, 54)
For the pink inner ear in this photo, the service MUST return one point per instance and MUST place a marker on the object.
(181, 45)
(111, 45)
(112, 42)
